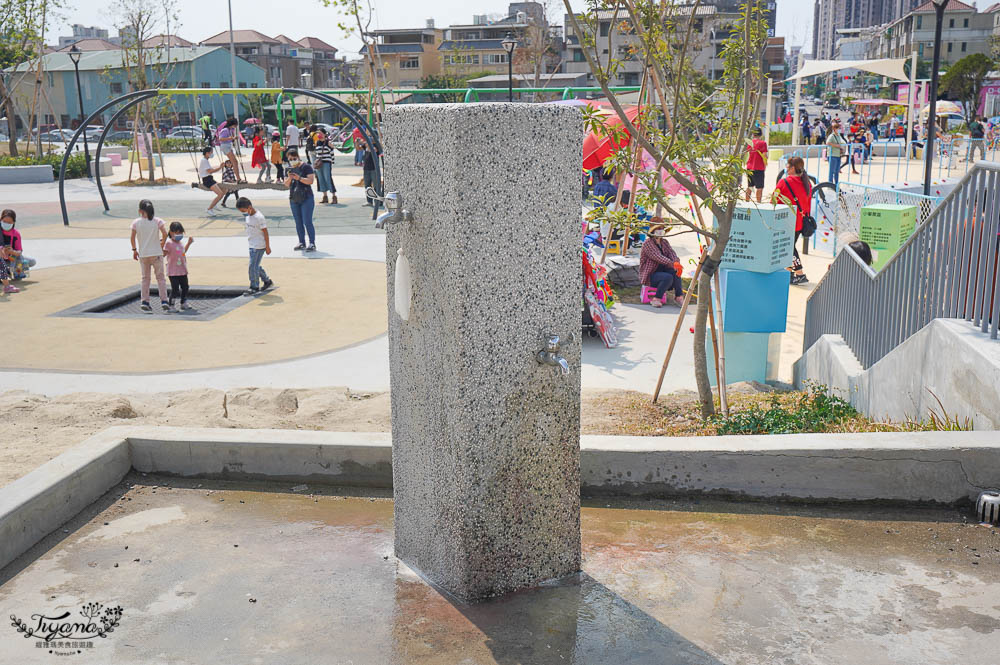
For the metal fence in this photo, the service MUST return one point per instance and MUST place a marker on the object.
(947, 269)
(895, 161)
(842, 211)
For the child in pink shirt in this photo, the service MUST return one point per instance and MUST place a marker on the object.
(175, 251)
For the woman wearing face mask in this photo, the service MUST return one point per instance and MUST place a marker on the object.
(299, 181)
(18, 262)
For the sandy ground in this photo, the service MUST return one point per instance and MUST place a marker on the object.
(38, 428)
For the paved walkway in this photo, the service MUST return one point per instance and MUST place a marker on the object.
(324, 326)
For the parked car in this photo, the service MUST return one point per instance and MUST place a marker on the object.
(58, 136)
(4, 138)
(186, 132)
(44, 129)
(119, 136)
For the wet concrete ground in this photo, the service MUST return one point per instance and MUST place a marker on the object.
(233, 573)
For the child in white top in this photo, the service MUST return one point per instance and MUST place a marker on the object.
(260, 244)
(148, 235)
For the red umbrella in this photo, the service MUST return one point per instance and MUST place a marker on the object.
(598, 147)
(251, 121)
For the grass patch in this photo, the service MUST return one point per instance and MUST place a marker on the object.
(679, 414)
(813, 411)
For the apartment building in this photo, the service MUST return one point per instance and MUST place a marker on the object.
(266, 52)
(289, 63)
(829, 16)
(164, 41)
(405, 55)
(321, 62)
(711, 27)
(478, 47)
(965, 31)
(85, 32)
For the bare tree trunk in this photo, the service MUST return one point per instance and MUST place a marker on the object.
(700, 354)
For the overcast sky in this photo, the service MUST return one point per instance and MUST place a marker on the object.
(300, 18)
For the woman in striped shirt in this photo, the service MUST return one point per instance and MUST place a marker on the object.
(324, 167)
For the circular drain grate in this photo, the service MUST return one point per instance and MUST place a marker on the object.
(988, 507)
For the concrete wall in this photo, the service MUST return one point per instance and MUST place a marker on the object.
(22, 175)
(948, 358)
(943, 467)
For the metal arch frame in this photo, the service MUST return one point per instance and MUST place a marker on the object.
(100, 143)
(132, 98)
(139, 96)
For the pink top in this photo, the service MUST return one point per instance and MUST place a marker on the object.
(176, 261)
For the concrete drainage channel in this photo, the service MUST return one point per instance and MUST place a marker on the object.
(924, 467)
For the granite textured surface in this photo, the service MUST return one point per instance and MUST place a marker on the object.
(486, 454)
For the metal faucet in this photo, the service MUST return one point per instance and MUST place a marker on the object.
(393, 202)
(550, 354)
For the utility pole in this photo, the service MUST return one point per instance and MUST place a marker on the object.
(232, 60)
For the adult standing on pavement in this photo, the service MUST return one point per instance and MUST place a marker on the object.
(359, 140)
(977, 139)
(368, 178)
(324, 166)
(835, 148)
(206, 127)
(291, 135)
(795, 189)
(299, 181)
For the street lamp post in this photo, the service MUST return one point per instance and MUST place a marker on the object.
(509, 45)
(939, 6)
(74, 55)
(712, 43)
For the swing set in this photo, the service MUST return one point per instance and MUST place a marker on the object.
(128, 101)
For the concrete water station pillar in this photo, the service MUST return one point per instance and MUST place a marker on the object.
(484, 274)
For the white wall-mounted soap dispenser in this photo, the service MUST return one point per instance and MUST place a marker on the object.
(403, 286)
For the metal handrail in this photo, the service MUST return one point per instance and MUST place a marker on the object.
(947, 268)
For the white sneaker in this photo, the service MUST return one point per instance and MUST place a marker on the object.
(211, 213)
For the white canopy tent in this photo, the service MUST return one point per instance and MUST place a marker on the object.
(889, 67)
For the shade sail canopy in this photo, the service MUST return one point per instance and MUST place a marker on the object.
(891, 67)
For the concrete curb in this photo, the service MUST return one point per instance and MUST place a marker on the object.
(940, 467)
(26, 175)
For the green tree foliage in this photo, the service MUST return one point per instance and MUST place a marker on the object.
(964, 80)
(439, 81)
(22, 24)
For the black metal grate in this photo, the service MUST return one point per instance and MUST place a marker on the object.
(200, 302)
(207, 303)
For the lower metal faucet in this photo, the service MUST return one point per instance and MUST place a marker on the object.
(550, 354)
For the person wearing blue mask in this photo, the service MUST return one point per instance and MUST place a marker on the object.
(11, 240)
